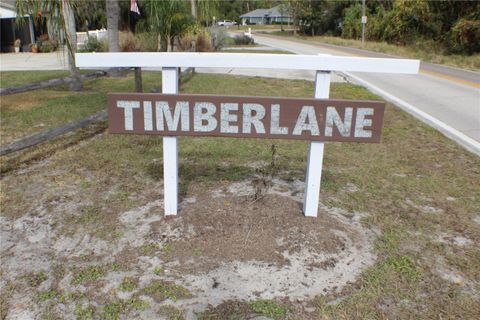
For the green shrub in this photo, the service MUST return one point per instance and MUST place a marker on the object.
(185, 43)
(93, 45)
(204, 42)
(128, 42)
(147, 41)
(243, 40)
(352, 28)
(465, 36)
(46, 47)
(219, 37)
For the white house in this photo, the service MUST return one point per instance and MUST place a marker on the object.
(278, 14)
(10, 31)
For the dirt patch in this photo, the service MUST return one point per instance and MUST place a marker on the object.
(234, 228)
(222, 246)
(225, 246)
(477, 219)
(455, 240)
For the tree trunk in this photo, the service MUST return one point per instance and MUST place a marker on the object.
(113, 16)
(71, 41)
(193, 4)
(163, 43)
(138, 80)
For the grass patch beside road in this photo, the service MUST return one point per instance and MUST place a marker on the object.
(31, 112)
(15, 78)
(419, 190)
(274, 51)
(423, 51)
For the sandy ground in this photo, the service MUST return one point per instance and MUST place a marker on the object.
(222, 246)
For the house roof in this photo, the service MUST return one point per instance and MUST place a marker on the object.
(7, 9)
(7, 12)
(258, 13)
(274, 12)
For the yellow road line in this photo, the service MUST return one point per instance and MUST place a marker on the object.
(423, 71)
(451, 78)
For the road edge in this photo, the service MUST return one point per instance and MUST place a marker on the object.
(448, 131)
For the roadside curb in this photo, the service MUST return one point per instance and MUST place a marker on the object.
(448, 131)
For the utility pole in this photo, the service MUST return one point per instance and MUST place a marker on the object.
(364, 21)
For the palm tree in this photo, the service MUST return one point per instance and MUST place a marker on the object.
(166, 18)
(113, 15)
(206, 10)
(60, 18)
(193, 7)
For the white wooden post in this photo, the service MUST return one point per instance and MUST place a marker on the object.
(170, 149)
(315, 154)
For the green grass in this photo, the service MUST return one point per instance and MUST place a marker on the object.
(84, 313)
(128, 284)
(268, 308)
(88, 274)
(49, 294)
(16, 78)
(233, 50)
(35, 111)
(158, 270)
(423, 50)
(118, 309)
(149, 248)
(160, 291)
(171, 313)
(34, 279)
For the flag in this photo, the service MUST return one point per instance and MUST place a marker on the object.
(134, 6)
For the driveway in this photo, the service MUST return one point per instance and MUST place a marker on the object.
(27, 61)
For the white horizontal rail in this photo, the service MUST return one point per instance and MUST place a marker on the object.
(245, 60)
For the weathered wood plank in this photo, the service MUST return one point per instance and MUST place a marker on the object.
(50, 134)
(48, 83)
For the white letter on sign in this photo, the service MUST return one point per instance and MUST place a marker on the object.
(128, 106)
(248, 119)
(181, 113)
(275, 121)
(334, 117)
(226, 117)
(147, 116)
(361, 122)
(307, 112)
(199, 117)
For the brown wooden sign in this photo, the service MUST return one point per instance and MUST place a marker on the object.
(246, 117)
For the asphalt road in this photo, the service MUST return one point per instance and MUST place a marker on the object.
(449, 95)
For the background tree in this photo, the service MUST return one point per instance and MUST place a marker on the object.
(206, 10)
(167, 19)
(90, 15)
(193, 7)
(61, 20)
(445, 26)
(113, 17)
(298, 9)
